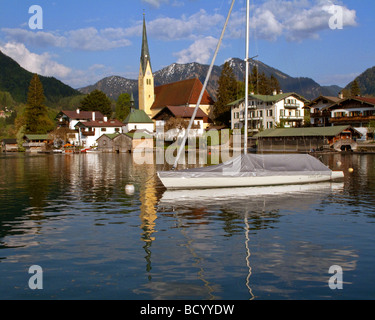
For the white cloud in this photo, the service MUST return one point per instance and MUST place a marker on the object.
(40, 39)
(42, 64)
(155, 3)
(294, 19)
(186, 27)
(200, 51)
(88, 39)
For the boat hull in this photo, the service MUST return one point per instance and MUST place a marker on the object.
(182, 182)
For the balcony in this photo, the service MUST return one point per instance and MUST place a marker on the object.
(33, 144)
(321, 114)
(88, 133)
(291, 105)
(351, 119)
(294, 118)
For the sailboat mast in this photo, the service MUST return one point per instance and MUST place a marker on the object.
(182, 146)
(247, 75)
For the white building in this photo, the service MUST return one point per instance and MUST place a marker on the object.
(269, 111)
(90, 131)
(69, 119)
(137, 120)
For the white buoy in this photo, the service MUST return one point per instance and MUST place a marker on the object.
(129, 189)
(338, 163)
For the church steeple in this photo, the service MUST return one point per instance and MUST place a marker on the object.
(145, 53)
(146, 78)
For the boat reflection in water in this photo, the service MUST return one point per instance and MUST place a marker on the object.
(272, 197)
(251, 204)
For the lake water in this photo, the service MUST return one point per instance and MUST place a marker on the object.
(70, 215)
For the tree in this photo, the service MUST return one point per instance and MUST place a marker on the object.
(36, 113)
(253, 81)
(226, 93)
(354, 89)
(259, 83)
(97, 101)
(274, 84)
(122, 106)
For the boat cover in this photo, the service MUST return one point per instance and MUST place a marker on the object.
(257, 165)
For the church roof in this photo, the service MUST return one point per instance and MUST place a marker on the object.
(180, 93)
(145, 53)
(137, 116)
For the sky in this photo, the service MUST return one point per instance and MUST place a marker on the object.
(82, 41)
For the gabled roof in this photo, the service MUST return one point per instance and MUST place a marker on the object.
(81, 115)
(9, 141)
(37, 137)
(137, 116)
(328, 98)
(269, 98)
(139, 134)
(304, 132)
(100, 124)
(110, 135)
(182, 112)
(368, 100)
(180, 93)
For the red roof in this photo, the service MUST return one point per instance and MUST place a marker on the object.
(366, 99)
(183, 112)
(83, 115)
(180, 93)
(101, 123)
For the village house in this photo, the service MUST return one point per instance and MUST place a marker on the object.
(90, 131)
(269, 111)
(319, 110)
(37, 142)
(200, 123)
(338, 138)
(354, 111)
(9, 145)
(68, 119)
(133, 141)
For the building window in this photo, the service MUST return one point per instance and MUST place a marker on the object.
(104, 129)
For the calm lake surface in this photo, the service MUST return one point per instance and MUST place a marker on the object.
(70, 215)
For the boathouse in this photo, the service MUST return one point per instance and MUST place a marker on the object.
(9, 145)
(308, 139)
(37, 142)
(133, 141)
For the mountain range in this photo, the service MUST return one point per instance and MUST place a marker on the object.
(15, 80)
(113, 86)
(366, 82)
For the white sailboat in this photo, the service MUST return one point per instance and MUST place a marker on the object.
(247, 170)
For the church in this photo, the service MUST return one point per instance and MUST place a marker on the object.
(176, 99)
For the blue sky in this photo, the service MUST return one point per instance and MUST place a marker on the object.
(82, 41)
